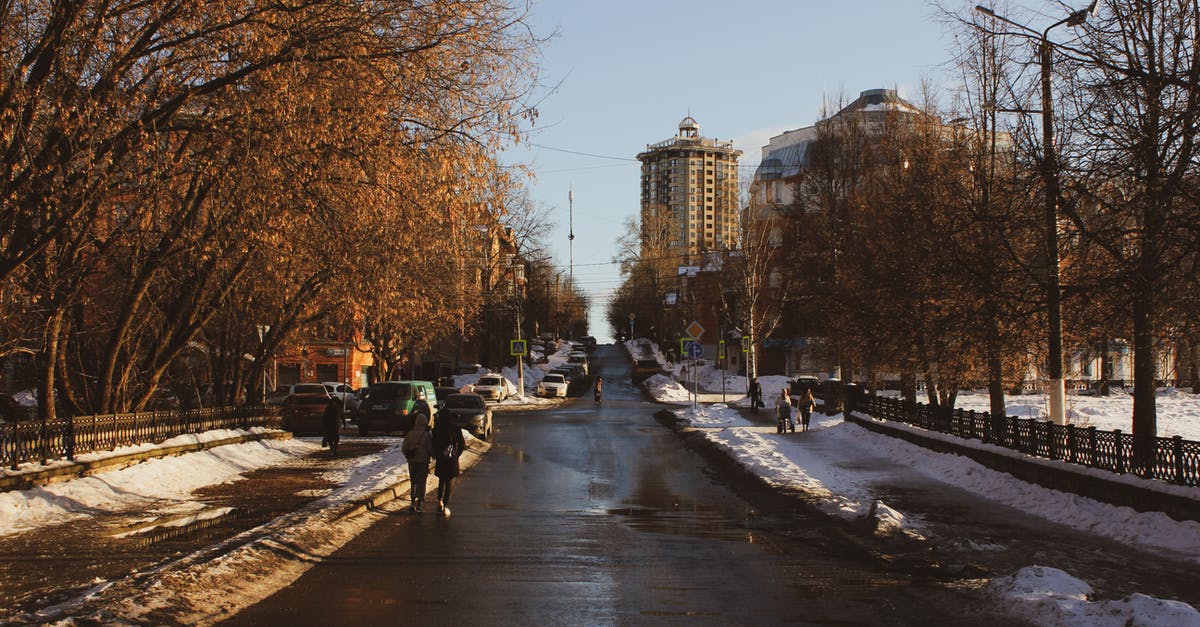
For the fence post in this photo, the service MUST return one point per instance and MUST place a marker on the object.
(70, 437)
(1095, 461)
(1177, 453)
(1120, 452)
(16, 450)
(1071, 443)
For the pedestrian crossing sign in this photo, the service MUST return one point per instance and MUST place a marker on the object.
(517, 348)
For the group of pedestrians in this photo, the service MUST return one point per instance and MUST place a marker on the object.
(443, 445)
(783, 406)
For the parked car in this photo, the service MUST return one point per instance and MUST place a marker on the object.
(580, 359)
(388, 405)
(357, 399)
(589, 342)
(282, 392)
(577, 373)
(567, 374)
(493, 387)
(445, 391)
(644, 369)
(802, 383)
(340, 391)
(302, 413)
(553, 385)
(468, 411)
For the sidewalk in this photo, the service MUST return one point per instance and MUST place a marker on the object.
(959, 517)
(135, 542)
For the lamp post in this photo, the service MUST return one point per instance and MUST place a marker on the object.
(1049, 171)
(263, 329)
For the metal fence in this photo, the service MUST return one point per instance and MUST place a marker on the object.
(33, 440)
(1174, 460)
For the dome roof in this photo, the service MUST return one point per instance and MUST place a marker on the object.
(689, 124)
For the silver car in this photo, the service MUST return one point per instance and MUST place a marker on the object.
(492, 387)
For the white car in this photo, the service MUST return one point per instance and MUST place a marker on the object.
(553, 385)
(492, 387)
(340, 391)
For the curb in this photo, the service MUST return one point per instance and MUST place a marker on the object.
(77, 469)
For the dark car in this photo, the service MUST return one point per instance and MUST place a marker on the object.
(388, 405)
(302, 413)
(468, 411)
(444, 391)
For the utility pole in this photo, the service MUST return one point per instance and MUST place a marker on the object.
(1049, 170)
(571, 236)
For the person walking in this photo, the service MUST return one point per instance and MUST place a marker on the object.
(331, 425)
(599, 388)
(807, 405)
(755, 395)
(418, 449)
(783, 413)
(448, 444)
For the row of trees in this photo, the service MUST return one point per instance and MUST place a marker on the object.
(927, 238)
(184, 179)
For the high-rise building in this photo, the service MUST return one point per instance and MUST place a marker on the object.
(690, 192)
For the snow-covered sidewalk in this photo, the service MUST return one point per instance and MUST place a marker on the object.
(214, 582)
(842, 468)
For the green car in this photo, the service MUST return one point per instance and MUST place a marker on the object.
(388, 405)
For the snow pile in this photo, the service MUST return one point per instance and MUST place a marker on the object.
(1048, 596)
(165, 483)
(667, 390)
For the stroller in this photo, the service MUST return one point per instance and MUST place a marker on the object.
(783, 415)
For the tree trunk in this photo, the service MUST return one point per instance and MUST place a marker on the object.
(1145, 420)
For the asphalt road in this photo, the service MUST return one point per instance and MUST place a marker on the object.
(601, 515)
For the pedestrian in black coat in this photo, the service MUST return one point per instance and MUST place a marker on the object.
(331, 425)
(755, 395)
(448, 445)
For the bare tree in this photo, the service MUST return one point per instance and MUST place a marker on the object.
(1134, 121)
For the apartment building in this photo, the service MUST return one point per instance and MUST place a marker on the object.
(690, 191)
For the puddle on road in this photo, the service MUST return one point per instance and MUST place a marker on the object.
(696, 521)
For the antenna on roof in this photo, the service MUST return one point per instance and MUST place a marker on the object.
(571, 234)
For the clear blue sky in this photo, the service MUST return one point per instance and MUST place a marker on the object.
(627, 71)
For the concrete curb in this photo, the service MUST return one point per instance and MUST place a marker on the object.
(77, 469)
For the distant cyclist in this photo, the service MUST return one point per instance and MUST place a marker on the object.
(599, 387)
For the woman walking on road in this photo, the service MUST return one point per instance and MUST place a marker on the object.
(599, 387)
(418, 449)
(807, 405)
(448, 444)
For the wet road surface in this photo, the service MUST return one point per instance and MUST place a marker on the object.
(587, 515)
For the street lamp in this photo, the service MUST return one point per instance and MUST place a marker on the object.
(1054, 366)
(263, 329)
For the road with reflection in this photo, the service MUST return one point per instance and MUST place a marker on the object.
(602, 515)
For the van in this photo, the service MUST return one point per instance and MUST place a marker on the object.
(388, 405)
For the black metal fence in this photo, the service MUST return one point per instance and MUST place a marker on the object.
(32, 440)
(1174, 460)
